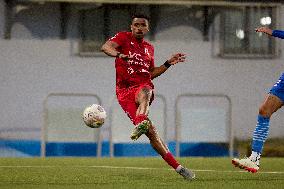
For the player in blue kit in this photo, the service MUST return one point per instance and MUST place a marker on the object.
(273, 101)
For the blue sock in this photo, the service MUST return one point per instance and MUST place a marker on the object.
(260, 133)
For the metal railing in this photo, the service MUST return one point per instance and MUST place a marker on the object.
(229, 129)
(45, 119)
(228, 119)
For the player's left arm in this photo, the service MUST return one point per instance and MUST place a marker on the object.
(278, 33)
(176, 58)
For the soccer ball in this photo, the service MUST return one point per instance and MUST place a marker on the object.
(94, 116)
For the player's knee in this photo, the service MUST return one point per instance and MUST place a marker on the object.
(264, 111)
(146, 93)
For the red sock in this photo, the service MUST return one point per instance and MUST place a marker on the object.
(140, 118)
(170, 159)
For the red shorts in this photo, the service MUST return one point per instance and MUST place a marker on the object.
(127, 100)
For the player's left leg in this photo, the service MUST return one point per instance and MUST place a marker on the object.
(162, 149)
(270, 105)
(143, 99)
(272, 102)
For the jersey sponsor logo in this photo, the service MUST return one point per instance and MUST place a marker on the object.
(136, 59)
(135, 56)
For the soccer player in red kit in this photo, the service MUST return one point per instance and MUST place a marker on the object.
(135, 70)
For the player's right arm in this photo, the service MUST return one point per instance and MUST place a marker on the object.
(110, 47)
(268, 31)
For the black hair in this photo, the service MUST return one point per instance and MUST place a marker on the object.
(141, 16)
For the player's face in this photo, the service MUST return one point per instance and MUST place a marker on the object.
(139, 27)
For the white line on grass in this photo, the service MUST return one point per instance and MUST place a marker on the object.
(135, 168)
(197, 170)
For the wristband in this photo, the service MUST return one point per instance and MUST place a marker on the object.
(167, 64)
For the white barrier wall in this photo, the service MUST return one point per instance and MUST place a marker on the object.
(35, 62)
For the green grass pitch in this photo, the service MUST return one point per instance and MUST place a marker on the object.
(81, 173)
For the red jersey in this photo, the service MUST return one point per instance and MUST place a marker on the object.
(136, 70)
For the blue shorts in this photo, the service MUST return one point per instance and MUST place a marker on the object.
(278, 88)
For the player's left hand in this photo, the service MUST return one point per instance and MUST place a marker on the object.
(264, 30)
(176, 58)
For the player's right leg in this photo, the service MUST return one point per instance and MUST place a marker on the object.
(126, 99)
(143, 97)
